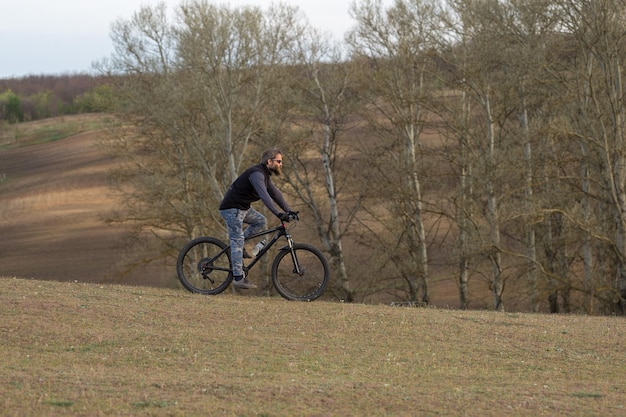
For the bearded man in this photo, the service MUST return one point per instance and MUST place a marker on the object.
(253, 185)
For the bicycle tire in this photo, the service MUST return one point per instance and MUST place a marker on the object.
(196, 266)
(310, 283)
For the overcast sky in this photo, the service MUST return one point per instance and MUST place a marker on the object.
(67, 36)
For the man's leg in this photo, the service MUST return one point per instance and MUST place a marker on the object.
(234, 223)
(256, 221)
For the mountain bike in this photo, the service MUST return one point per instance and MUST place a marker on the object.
(299, 271)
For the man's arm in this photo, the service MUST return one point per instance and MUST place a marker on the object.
(258, 182)
(277, 196)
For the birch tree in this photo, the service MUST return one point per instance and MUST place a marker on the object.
(395, 41)
(526, 28)
(325, 98)
(599, 35)
(475, 70)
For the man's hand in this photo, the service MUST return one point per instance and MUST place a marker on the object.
(287, 217)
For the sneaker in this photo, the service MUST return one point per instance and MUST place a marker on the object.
(243, 283)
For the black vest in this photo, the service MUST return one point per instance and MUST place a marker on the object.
(241, 193)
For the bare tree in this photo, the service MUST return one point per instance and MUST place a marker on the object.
(534, 88)
(196, 92)
(599, 37)
(325, 99)
(486, 57)
(395, 42)
(475, 64)
(525, 28)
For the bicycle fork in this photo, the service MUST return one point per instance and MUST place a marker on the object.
(296, 266)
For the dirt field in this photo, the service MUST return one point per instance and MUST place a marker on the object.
(52, 199)
(53, 196)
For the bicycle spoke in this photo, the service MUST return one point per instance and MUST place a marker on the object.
(203, 267)
(304, 281)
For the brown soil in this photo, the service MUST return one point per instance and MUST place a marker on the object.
(52, 200)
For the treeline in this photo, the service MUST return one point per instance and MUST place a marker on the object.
(35, 97)
(477, 141)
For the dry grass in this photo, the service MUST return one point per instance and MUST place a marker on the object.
(88, 349)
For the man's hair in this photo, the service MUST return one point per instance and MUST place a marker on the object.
(270, 154)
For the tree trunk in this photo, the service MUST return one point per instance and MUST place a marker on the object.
(493, 218)
(463, 211)
(531, 246)
(336, 249)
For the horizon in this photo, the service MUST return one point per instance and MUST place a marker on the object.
(64, 37)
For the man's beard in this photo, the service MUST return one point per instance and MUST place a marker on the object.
(276, 170)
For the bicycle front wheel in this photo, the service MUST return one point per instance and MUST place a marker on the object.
(203, 266)
(301, 274)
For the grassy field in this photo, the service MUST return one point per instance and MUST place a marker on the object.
(50, 130)
(77, 349)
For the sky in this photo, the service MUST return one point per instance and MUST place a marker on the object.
(54, 37)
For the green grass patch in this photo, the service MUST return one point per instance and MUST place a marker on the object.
(50, 130)
(587, 395)
(157, 404)
(57, 403)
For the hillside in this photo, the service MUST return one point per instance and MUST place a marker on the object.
(53, 195)
(76, 349)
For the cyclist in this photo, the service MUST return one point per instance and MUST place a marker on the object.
(253, 185)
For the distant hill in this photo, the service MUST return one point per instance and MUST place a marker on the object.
(52, 199)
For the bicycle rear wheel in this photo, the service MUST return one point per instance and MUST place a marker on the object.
(203, 266)
(311, 280)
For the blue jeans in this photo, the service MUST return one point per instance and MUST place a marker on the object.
(235, 219)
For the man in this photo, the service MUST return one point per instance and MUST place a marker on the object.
(253, 185)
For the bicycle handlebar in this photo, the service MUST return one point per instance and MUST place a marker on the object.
(291, 216)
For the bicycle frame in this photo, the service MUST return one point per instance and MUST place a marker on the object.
(281, 230)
